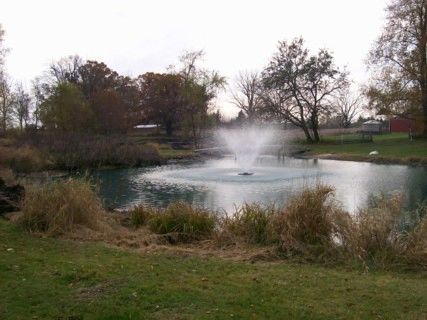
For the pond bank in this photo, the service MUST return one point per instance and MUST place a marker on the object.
(392, 148)
(378, 159)
(49, 278)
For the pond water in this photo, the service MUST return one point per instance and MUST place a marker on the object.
(215, 184)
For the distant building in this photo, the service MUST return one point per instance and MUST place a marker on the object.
(399, 124)
(146, 126)
(372, 127)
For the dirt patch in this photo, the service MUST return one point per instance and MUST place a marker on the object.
(99, 290)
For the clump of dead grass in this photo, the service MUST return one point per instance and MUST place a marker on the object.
(23, 159)
(313, 224)
(181, 221)
(60, 206)
(250, 223)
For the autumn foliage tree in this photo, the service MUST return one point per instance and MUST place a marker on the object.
(66, 109)
(109, 97)
(398, 62)
(161, 99)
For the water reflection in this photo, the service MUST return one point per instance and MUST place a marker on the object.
(215, 184)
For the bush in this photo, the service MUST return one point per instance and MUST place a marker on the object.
(189, 222)
(252, 223)
(58, 207)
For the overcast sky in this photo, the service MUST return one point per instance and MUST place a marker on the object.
(133, 37)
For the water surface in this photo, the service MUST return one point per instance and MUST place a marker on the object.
(215, 184)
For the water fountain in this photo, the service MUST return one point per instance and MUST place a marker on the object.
(246, 145)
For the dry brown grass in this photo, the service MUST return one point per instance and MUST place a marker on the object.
(375, 233)
(140, 215)
(181, 221)
(23, 159)
(250, 223)
(59, 207)
(313, 224)
(72, 151)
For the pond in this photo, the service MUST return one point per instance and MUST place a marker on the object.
(216, 184)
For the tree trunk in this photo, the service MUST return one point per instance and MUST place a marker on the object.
(315, 126)
(169, 129)
(424, 102)
(423, 67)
(316, 134)
(307, 134)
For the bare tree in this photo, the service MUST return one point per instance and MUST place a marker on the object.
(3, 50)
(65, 69)
(199, 89)
(300, 86)
(348, 105)
(22, 103)
(40, 93)
(248, 94)
(6, 102)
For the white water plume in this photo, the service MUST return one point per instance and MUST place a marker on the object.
(246, 144)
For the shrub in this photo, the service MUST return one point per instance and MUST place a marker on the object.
(189, 222)
(252, 223)
(58, 207)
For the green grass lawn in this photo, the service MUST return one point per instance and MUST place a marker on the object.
(164, 144)
(396, 145)
(167, 152)
(44, 278)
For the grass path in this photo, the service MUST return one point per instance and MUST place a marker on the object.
(44, 278)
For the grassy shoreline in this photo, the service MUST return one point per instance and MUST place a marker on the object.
(410, 161)
(392, 148)
(64, 257)
(49, 278)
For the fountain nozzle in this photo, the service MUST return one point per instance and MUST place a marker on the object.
(245, 173)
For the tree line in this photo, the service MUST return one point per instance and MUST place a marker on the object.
(297, 87)
(74, 95)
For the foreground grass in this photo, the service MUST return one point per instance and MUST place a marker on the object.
(394, 145)
(48, 278)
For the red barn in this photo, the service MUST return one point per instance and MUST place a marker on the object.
(398, 124)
